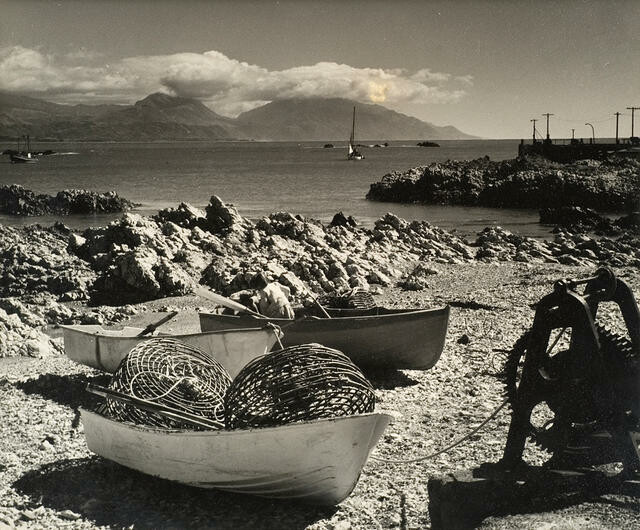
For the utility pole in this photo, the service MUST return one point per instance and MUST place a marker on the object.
(617, 114)
(632, 109)
(547, 115)
(534, 130)
(573, 135)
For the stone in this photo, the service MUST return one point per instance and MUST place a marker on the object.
(293, 282)
(76, 241)
(340, 219)
(185, 216)
(69, 515)
(222, 217)
(379, 278)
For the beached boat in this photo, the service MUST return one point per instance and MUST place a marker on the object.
(379, 337)
(352, 151)
(317, 461)
(24, 157)
(104, 348)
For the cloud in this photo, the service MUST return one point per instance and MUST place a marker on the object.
(227, 85)
(427, 76)
(32, 72)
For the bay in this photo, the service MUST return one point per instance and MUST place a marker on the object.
(258, 178)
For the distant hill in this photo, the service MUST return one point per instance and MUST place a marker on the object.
(164, 117)
(329, 119)
(156, 117)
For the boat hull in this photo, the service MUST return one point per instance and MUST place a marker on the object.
(22, 159)
(103, 348)
(317, 462)
(396, 339)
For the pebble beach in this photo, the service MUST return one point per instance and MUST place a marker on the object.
(134, 269)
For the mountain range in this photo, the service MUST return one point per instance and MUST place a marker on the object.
(164, 117)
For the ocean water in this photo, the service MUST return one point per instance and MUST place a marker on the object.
(258, 178)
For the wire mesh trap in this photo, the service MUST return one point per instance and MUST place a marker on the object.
(355, 299)
(298, 383)
(174, 376)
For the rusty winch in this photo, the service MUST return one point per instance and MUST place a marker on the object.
(582, 402)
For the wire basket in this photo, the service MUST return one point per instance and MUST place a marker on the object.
(357, 298)
(172, 374)
(298, 383)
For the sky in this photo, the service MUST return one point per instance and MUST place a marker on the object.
(486, 67)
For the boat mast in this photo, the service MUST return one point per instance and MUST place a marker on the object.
(353, 127)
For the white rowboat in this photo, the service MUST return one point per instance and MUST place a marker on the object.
(317, 461)
(104, 348)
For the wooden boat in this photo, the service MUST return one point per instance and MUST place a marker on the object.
(104, 348)
(317, 461)
(352, 151)
(24, 157)
(379, 337)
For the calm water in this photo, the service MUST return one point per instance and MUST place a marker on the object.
(258, 178)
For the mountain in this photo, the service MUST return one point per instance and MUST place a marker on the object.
(156, 117)
(41, 119)
(330, 119)
(164, 117)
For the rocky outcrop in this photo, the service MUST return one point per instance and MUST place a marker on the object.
(521, 183)
(16, 200)
(576, 219)
(135, 259)
(35, 260)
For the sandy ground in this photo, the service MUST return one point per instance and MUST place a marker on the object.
(48, 478)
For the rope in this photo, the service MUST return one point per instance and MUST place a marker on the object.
(470, 433)
(277, 331)
(451, 446)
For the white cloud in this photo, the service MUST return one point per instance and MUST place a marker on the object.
(425, 75)
(228, 85)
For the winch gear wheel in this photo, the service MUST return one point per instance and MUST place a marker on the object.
(564, 399)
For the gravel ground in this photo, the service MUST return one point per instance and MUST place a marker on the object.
(48, 478)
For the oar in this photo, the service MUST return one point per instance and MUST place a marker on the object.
(163, 410)
(224, 301)
(155, 325)
(315, 301)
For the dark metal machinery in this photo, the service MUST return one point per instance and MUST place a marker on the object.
(591, 388)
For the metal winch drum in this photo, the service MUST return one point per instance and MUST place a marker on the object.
(590, 386)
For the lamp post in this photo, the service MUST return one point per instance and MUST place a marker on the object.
(593, 133)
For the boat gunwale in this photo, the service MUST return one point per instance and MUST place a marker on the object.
(231, 432)
(97, 334)
(437, 311)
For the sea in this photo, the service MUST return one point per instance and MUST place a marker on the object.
(258, 178)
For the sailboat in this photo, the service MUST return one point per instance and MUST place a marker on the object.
(24, 157)
(353, 153)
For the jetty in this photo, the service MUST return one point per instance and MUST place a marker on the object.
(570, 150)
(566, 151)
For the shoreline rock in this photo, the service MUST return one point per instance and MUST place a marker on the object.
(17, 200)
(136, 259)
(612, 185)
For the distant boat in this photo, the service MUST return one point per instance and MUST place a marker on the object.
(24, 157)
(353, 153)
